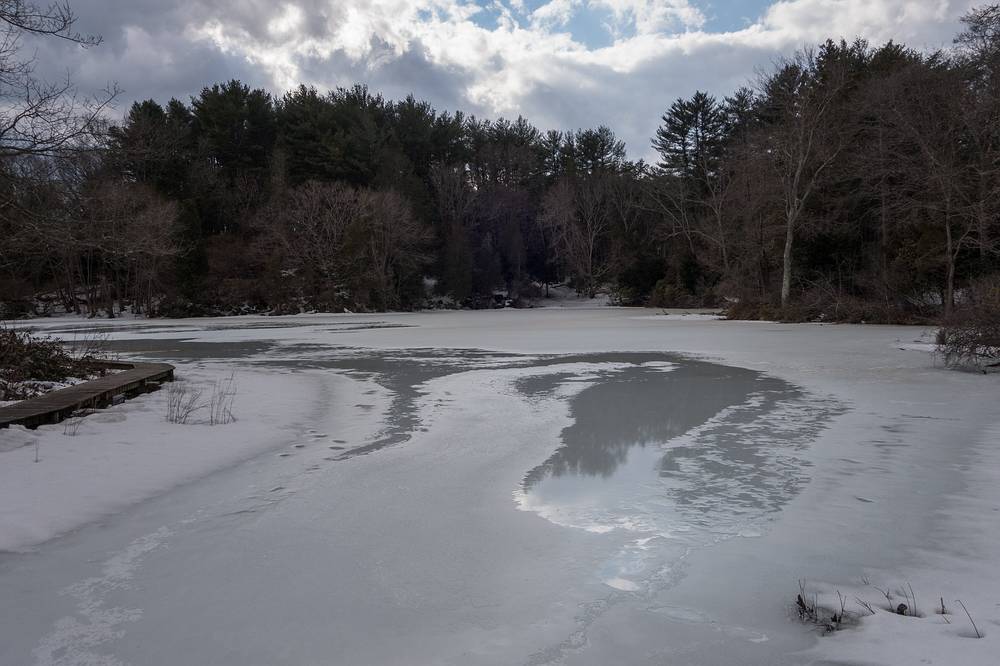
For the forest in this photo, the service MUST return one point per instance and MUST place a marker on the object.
(850, 182)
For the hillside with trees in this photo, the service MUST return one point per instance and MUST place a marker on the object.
(850, 182)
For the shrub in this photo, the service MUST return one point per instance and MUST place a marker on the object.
(26, 357)
(970, 338)
(826, 306)
(668, 294)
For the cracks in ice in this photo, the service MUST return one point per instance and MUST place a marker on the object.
(577, 641)
(74, 639)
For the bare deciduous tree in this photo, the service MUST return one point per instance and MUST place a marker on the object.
(313, 221)
(941, 189)
(357, 242)
(803, 138)
(392, 239)
(37, 117)
(578, 215)
(132, 232)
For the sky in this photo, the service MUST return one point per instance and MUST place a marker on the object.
(563, 64)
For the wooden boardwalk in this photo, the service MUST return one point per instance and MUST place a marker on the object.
(57, 405)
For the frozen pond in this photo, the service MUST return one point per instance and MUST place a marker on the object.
(448, 491)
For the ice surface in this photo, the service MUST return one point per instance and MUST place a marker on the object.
(580, 486)
(697, 454)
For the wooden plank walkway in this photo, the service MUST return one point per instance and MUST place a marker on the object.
(57, 405)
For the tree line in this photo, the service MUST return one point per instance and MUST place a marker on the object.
(850, 181)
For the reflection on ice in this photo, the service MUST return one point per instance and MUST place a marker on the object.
(699, 453)
(636, 407)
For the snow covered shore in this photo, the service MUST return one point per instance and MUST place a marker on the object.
(901, 483)
(61, 476)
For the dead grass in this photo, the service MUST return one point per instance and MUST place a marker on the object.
(185, 401)
(832, 613)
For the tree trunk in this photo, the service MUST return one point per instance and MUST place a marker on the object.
(883, 241)
(786, 266)
(108, 296)
(949, 290)
(761, 260)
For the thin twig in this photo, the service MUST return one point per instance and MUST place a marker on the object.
(864, 604)
(913, 597)
(959, 602)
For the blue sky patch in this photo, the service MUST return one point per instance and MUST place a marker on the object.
(594, 26)
(731, 15)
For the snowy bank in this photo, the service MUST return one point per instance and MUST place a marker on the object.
(62, 476)
(949, 585)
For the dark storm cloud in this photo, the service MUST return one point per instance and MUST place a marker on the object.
(395, 75)
(143, 51)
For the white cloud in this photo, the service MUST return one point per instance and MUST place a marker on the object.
(652, 16)
(526, 63)
(879, 20)
(554, 14)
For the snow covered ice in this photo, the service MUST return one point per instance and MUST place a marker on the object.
(572, 486)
